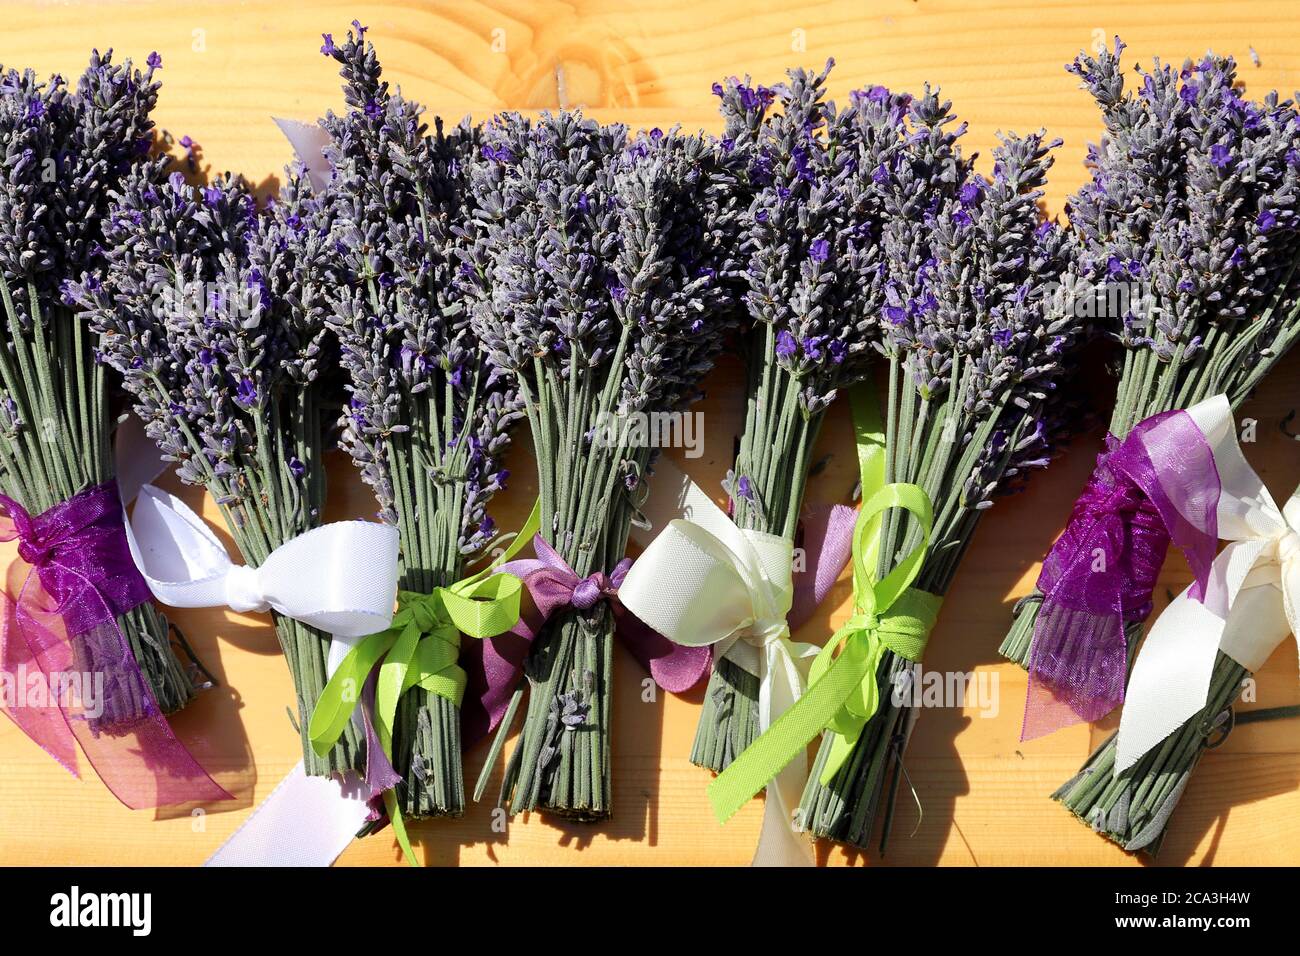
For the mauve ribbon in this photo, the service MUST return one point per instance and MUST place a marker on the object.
(1159, 484)
(827, 541)
(79, 578)
(492, 666)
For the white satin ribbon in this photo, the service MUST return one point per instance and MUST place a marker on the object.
(307, 140)
(1250, 606)
(340, 578)
(306, 821)
(703, 581)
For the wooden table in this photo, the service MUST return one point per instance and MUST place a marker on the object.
(228, 68)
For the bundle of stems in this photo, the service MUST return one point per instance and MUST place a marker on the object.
(66, 150)
(426, 424)
(603, 259)
(1133, 808)
(1190, 227)
(52, 380)
(212, 312)
(825, 182)
(977, 347)
(773, 459)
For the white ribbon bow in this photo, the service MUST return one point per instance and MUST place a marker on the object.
(308, 140)
(340, 578)
(703, 581)
(1250, 607)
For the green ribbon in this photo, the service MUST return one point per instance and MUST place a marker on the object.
(420, 649)
(890, 614)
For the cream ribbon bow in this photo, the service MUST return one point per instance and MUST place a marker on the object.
(1252, 602)
(703, 581)
(340, 578)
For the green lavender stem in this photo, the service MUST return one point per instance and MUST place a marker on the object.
(775, 452)
(558, 766)
(63, 447)
(306, 650)
(919, 450)
(1133, 809)
(263, 508)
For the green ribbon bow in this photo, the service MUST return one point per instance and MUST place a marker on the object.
(890, 614)
(420, 648)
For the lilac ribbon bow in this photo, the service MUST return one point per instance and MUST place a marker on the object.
(1158, 485)
(62, 625)
(493, 666)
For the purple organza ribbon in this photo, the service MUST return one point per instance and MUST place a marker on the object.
(1159, 484)
(493, 665)
(58, 631)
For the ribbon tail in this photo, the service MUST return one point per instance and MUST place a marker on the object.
(399, 827)
(1170, 682)
(493, 668)
(828, 546)
(306, 821)
(675, 667)
(1078, 662)
(134, 752)
(380, 775)
(43, 722)
(779, 843)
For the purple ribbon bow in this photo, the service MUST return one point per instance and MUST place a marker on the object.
(493, 665)
(58, 628)
(1159, 485)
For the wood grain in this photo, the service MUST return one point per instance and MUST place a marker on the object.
(228, 68)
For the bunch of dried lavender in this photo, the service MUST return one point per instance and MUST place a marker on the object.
(1193, 199)
(64, 151)
(602, 262)
(426, 424)
(826, 184)
(213, 313)
(1188, 237)
(977, 338)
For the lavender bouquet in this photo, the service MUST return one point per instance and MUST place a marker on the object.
(602, 261)
(65, 151)
(1194, 199)
(1187, 236)
(826, 185)
(977, 338)
(213, 313)
(426, 424)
